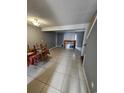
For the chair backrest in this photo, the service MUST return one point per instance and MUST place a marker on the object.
(37, 46)
(41, 46)
(34, 49)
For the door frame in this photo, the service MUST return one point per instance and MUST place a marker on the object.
(86, 36)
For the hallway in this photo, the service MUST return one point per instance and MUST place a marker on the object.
(59, 75)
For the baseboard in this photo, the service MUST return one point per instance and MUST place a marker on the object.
(52, 48)
(59, 46)
(83, 79)
(82, 59)
(78, 48)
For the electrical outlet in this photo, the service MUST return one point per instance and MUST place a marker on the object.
(92, 85)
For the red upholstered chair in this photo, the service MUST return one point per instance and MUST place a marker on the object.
(32, 57)
(45, 51)
(36, 55)
(32, 60)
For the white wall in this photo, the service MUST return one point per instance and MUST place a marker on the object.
(60, 38)
(69, 36)
(35, 35)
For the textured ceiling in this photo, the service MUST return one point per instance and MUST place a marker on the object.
(62, 12)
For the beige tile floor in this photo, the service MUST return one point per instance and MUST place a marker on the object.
(58, 75)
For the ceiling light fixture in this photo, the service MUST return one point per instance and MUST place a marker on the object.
(36, 21)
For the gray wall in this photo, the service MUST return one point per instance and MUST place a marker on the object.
(90, 64)
(80, 36)
(34, 35)
(60, 38)
(50, 38)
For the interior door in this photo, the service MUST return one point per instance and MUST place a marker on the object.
(86, 36)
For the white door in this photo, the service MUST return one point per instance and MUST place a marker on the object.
(86, 36)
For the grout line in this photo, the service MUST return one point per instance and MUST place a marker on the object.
(55, 71)
(68, 75)
(83, 79)
(63, 83)
(65, 74)
(48, 85)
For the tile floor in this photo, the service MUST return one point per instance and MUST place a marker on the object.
(58, 75)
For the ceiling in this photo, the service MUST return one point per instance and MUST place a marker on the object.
(62, 12)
